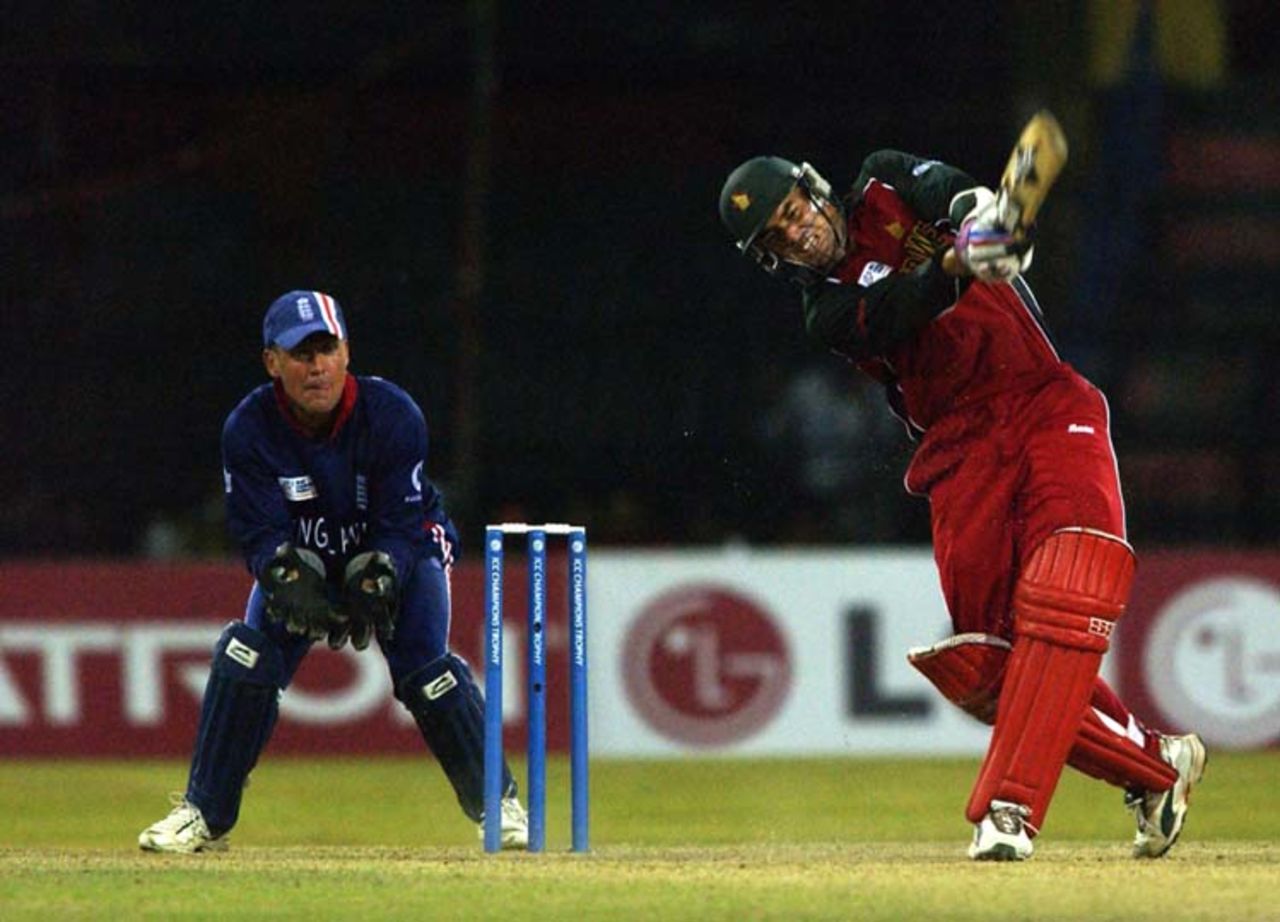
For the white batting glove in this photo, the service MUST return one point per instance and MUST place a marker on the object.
(968, 203)
(984, 246)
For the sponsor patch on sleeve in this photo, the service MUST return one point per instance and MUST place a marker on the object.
(298, 489)
(873, 272)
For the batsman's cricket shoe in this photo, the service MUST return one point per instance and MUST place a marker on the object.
(1161, 814)
(515, 824)
(1002, 834)
(183, 831)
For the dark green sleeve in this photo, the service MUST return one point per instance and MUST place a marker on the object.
(863, 322)
(926, 186)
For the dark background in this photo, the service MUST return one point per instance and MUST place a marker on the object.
(515, 203)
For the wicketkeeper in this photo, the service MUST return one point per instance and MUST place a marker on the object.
(913, 277)
(349, 542)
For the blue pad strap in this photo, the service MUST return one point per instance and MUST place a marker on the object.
(449, 710)
(237, 715)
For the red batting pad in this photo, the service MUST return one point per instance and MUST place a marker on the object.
(1068, 597)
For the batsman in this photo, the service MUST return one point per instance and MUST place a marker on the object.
(348, 541)
(915, 276)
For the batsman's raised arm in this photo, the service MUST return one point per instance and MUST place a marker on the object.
(861, 322)
(929, 188)
(869, 283)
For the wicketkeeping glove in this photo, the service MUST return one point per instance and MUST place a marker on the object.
(371, 597)
(293, 582)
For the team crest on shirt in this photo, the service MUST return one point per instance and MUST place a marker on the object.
(922, 243)
(298, 489)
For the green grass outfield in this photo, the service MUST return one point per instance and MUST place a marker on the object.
(704, 839)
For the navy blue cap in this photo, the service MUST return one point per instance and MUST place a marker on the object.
(293, 317)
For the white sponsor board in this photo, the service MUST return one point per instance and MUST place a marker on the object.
(768, 653)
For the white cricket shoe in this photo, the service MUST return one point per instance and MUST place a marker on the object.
(183, 831)
(1161, 814)
(1002, 834)
(515, 825)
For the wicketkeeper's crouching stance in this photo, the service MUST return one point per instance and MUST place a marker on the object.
(349, 542)
(915, 276)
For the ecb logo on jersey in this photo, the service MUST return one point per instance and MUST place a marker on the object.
(305, 311)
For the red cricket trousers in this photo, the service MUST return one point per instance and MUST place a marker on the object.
(1004, 474)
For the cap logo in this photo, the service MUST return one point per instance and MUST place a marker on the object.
(296, 314)
(741, 200)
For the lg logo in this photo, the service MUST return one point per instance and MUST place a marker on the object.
(1212, 660)
(706, 666)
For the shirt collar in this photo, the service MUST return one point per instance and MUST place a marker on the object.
(346, 406)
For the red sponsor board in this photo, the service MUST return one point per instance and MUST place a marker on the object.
(110, 659)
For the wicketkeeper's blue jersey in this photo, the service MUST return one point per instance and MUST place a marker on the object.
(362, 487)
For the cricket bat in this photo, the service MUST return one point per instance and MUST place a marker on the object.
(1034, 165)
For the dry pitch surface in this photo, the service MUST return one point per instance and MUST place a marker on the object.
(701, 840)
